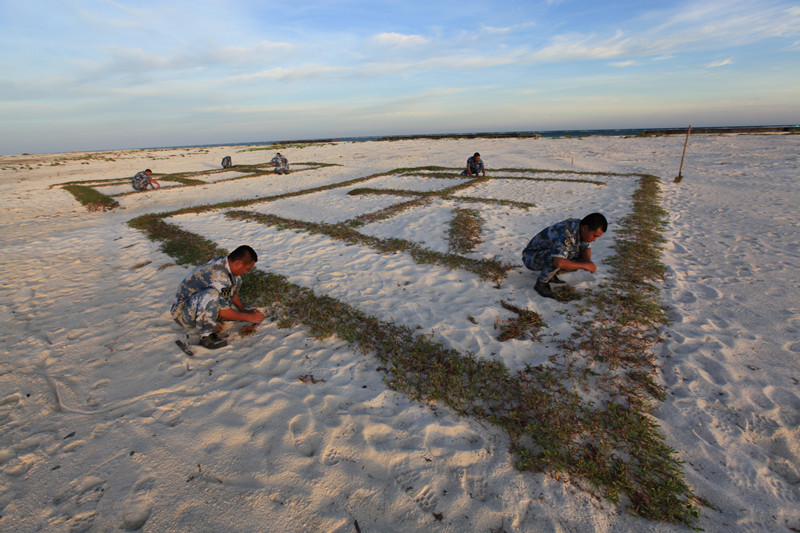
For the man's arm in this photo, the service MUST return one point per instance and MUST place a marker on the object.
(567, 264)
(245, 315)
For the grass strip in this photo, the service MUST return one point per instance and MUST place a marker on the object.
(92, 199)
(465, 229)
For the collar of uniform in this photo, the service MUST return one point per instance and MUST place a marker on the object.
(228, 268)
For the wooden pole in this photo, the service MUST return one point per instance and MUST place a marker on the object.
(680, 177)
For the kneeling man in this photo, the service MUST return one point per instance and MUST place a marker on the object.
(564, 246)
(212, 291)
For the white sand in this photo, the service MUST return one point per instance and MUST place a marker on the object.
(105, 425)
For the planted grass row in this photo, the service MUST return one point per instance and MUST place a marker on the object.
(464, 232)
(449, 172)
(583, 417)
(92, 199)
(611, 354)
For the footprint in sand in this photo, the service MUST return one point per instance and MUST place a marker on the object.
(792, 346)
(6, 454)
(677, 248)
(405, 476)
(75, 505)
(427, 499)
(379, 436)
(306, 440)
(686, 297)
(20, 466)
(788, 406)
(331, 456)
(169, 417)
(707, 292)
(717, 372)
(138, 506)
(475, 486)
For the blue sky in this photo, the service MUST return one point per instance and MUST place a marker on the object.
(91, 74)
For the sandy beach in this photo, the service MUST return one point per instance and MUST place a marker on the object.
(105, 425)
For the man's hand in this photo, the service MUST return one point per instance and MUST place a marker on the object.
(254, 316)
(568, 264)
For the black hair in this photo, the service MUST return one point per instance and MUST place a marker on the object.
(243, 253)
(147, 170)
(594, 221)
(476, 154)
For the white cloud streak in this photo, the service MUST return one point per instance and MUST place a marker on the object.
(398, 40)
(720, 63)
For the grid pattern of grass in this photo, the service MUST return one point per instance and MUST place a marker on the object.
(94, 200)
(583, 416)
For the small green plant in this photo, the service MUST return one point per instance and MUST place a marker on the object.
(527, 324)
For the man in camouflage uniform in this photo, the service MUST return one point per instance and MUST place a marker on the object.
(474, 166)
(226, 162)
(142, 180)
(281, 164)
(564, 246)
(212, 291)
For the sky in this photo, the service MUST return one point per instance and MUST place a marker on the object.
(79, 75)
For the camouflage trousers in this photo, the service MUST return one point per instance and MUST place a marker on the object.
(542, 260)
(200, 310)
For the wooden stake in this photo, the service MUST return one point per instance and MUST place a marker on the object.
(680, 177)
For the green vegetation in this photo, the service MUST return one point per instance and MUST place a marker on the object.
(92, 199)
(584, 416)
(279, 147)
(465, 230)
(526, 325)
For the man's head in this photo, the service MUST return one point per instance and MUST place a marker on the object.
(147, 171)
(592, 227)
(477, 156)
(242, 259)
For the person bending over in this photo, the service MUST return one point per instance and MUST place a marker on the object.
(563, 247)
(212, 292)
(474, 166)
(142, 180)
(281, 164)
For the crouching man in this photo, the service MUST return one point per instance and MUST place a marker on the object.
(563, 247)
(211, 292)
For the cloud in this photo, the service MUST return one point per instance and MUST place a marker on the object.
(706, 25)
(137, 65)
(629, 63)
(303, 72)
(398, 39)
(507, 29)
(575, 47)
(720, 63)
